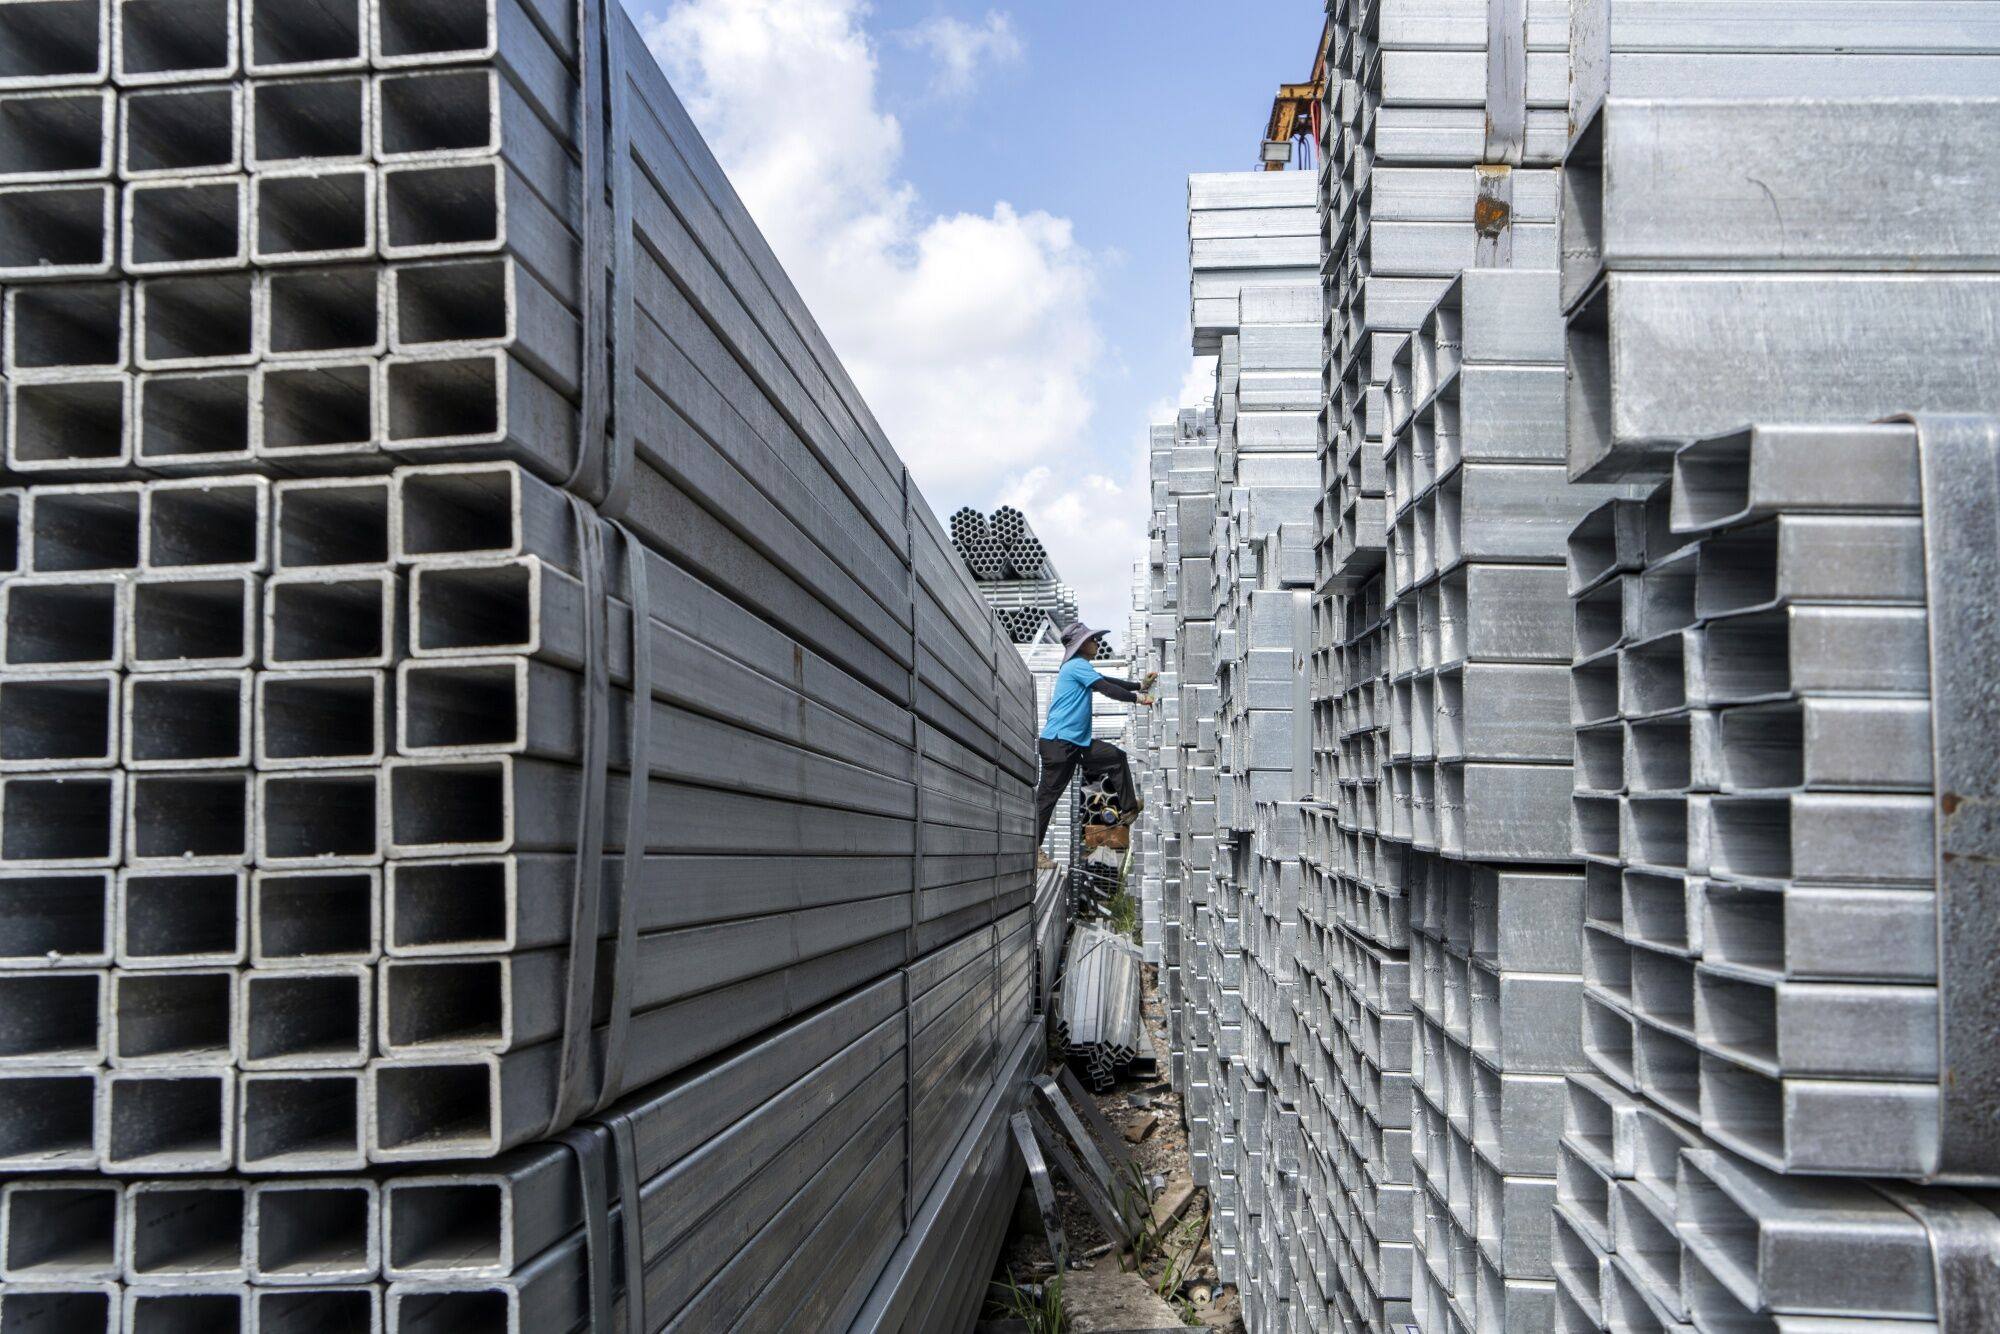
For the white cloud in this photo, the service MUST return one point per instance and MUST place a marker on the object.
(960, 48)
(970, 334)
(1094, 526)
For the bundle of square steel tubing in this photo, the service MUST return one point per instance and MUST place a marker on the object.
(470, 665)
(1778, 980)
(1636, 967)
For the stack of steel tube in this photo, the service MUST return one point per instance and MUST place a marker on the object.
(1770, 960)
(346, 659)
(1259, 558)
(1098, 1020)
(1446, 989)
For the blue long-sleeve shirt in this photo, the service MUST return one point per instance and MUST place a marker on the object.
(1069, 706)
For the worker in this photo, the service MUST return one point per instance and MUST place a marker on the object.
(1066, 743)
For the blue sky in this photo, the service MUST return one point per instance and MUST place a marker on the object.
(985, 206)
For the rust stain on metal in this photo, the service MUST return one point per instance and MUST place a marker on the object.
(1491, 216)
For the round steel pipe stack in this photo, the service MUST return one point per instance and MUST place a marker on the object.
(1098, 1015)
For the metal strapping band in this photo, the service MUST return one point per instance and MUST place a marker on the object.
(588, 1147)
(632, 1254)
(1960, 459)
(587, 880)
(910, 1201)
(1506, 81)
(638, 789)
(1965, 1237)
(603, 467)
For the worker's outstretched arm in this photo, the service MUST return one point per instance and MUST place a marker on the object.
(1116, 689)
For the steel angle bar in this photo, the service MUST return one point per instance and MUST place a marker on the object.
(1702, 326)
(1806, 650)
(1094, 1191)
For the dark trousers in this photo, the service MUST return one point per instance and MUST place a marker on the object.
(1060, 761)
